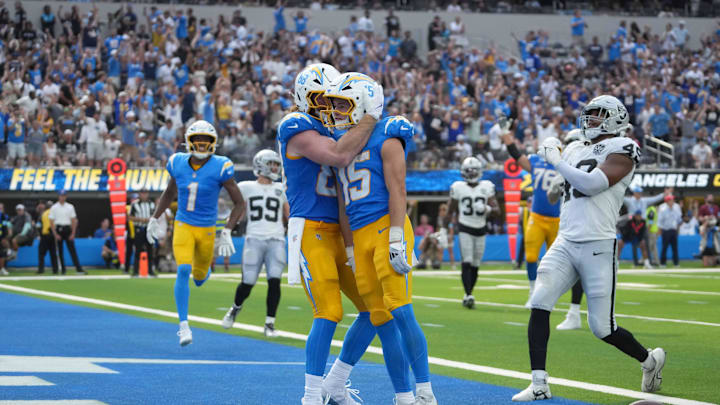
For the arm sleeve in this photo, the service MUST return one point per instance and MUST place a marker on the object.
(587, 183)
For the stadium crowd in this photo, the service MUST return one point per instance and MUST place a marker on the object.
(78, 90)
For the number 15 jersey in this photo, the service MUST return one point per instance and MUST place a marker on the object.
(584, 218)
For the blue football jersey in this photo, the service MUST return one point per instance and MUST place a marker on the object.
(310, 187)
(198, 190)
(363, 181)
(542, 175)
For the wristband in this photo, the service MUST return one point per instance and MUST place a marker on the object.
(513, 151)
(349, 251)
(396, 234)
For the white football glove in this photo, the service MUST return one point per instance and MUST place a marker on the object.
(480, 207)
(153, 232)
(225, 244)
(350, 252)
(398, 256)
(504, 123)
(550, 150)
(373, 101)
(556, 184)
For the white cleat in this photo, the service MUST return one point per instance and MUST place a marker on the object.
(343, 396)
(572, 321)
(229, 318)
(533, 393)
(652, 377)
(185, 335)
(270, 330)
(425, 397)
(647, 265)
(469, 302)
(4, 272)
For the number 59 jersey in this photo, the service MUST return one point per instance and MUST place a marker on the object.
(466, 195)
(264, 209)
(588, 218)
(198, 190)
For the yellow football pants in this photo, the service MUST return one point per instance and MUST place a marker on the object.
(381, 288)
(325, 274)
(540, 229)
(194, 245)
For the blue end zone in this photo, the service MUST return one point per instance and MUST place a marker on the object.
(36, 327)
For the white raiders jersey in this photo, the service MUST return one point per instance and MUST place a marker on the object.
(584, 218)
(467, 196)
(264, 209)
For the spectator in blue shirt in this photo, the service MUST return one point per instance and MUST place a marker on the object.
(47, 21)
(577, 28)
(660, 123)
(301, 21)
(622, 30)
(394, 45)
(104, 231)
(181, 25)
(279, 17)
(17, 129)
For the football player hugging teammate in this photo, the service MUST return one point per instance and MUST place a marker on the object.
(196, 178)
(596, 178)
(374, 198)
(266, 208)
(320, 253)
(473, 199)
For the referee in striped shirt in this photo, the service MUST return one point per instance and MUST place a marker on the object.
(140, 213)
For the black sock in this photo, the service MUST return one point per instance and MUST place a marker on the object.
(625, 341)
(577, 293)
(273, 296)
(465, 269)
(538, 335)
(242, 292)
(473, 276)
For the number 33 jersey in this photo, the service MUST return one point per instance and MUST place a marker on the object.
(198, 190)
(584, 218)
(467, 196)
(264, 209)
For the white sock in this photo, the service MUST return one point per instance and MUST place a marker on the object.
(404, 398)
(184, 324)
(338, 374)
(539, 377)
(649, 362)
(424, 386)
(532, 285)
(270, 319)
(574, 309)
(313, 387)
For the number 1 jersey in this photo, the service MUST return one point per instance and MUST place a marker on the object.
(198, 190)
(264, 209)
(587, 218)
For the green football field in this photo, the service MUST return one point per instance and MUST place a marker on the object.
(677, 309)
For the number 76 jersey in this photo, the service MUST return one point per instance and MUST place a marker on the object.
(588, 218)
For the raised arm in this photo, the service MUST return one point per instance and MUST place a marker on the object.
(326, 151)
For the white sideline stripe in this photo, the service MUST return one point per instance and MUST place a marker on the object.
(372, 349)
(518, 306)
(22, 381)
(53, 402)
(441, 299)
(39, 364)
(670, 291)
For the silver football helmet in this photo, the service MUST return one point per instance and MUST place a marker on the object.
(263, 164)
(604, 115)
(471, 169)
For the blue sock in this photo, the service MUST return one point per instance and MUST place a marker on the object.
(357, 339)
(182, 290)
(201, 282)
(532, 271)
(395, 361)
(414, 340)
(317, 348)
